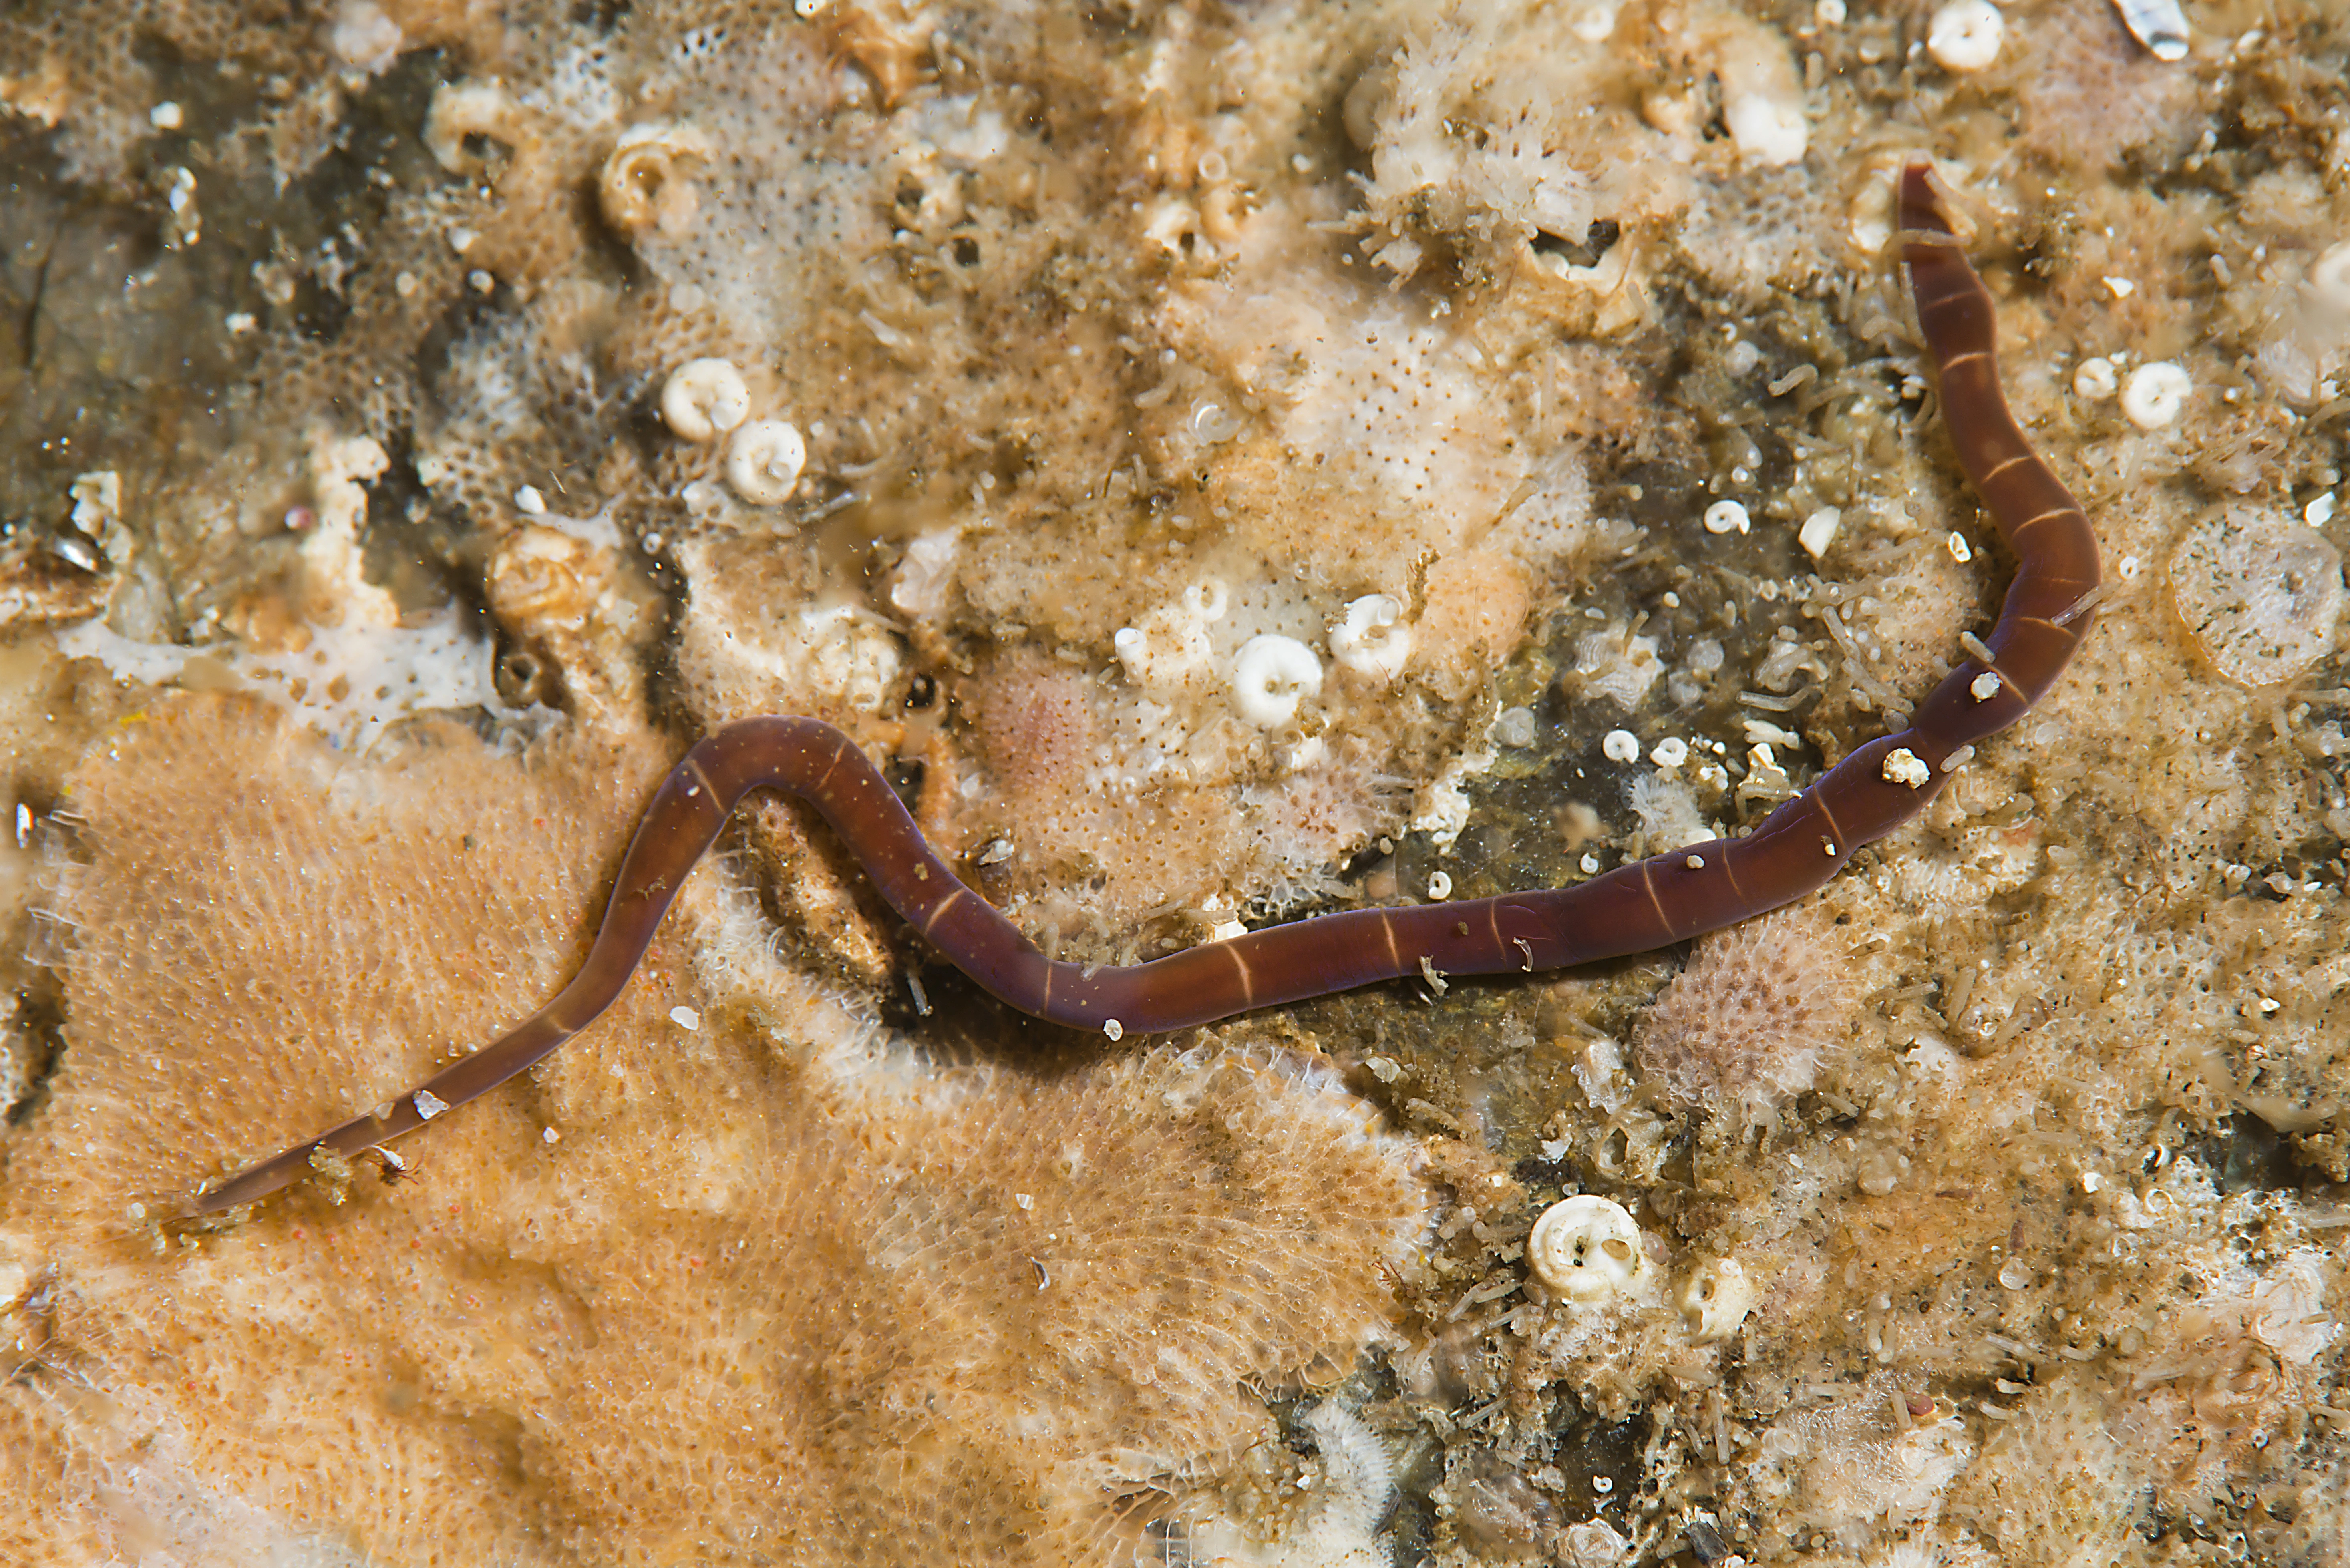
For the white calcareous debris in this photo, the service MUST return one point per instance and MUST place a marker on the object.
(1904, 767)
(763, 462)
(1588, 1249)
(1171, 644)
(1715, 1299)
(1761, 90)
(361, 37)
(2159, 25)
(1372, 639)
(2156, 394)
(647, 183)
(464, 115)
(704, 399)
(1966, 34)
(2096, 379)
(1271, 675)
(926, 574)
(1768, 129)
(1728, 517)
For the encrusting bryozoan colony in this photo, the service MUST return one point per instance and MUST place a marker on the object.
(849, 1230)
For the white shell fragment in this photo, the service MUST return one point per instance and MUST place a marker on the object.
(429, 1104)
(763, 462)
(1372, 640)
(1965, 35)
(1588, 1249)
(704, 399)
(1270, 676)
(1715, 1299)
(1819, 531)
(2159, 25)
(2156, 394)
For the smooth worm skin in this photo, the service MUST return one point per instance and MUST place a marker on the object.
(1664, 900)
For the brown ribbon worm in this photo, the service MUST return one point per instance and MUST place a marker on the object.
(2048, 610)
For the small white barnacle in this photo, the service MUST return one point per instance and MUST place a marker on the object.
(644, 185)
(1272, 675)
(1372, 639)
(763, 462)
(1588, 1249)
(1904, 767)
(1983, 687)
(704, 398)
(1965, 35)
(1715, 1299)
(429, 1104)
(2156, 394)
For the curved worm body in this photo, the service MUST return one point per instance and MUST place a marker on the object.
(1647, 905)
